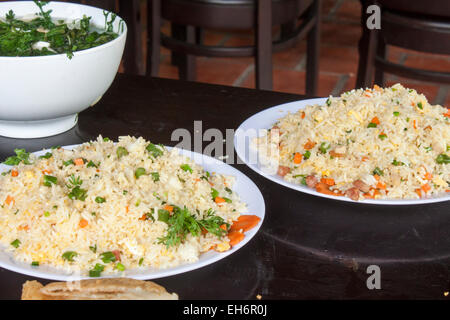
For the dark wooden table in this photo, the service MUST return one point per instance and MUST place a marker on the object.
(307, 247)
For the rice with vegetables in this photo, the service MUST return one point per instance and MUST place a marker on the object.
(106, 207)
(376, 143)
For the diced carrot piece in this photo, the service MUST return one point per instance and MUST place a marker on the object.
(414, 124)
(78, 162)
(127, 209)
(14, 173)
(245, 223)
(298, 158)
(325, 189)
(309, 145)
(46, 171)
(335, 154)
(328, 181)
(428, 128)
(381, 185)
(375, 120)
(303, 115)
(223, 227)
(23, 227)
(428, 176)
(377, 88)
(365, 158)
(377, 177)
(219, 200)
(419, 192)
(83, 223)
(447, 114)
(426, 187)
(168, 208)
(143, 218)
(9, 200)
(235, 237)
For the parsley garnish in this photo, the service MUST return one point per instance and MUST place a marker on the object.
(21, 156)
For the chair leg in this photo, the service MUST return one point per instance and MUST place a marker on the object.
(382, 53)
(187, 64)
(313, 51)
(154, 26)
(367, 51)
(264, 45)
(177, 32)
(133, 60)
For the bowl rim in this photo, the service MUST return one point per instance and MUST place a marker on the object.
(75, 53)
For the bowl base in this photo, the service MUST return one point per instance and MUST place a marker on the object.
(38, 128)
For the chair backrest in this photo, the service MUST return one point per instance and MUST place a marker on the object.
(439, 8)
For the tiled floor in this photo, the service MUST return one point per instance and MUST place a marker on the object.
(338, 59)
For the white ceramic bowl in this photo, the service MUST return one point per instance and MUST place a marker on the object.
(42, 96)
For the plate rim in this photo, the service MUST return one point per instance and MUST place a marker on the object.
(299, 105)
(25, 269)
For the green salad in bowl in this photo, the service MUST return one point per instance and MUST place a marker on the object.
(56, 59)
(42, 34)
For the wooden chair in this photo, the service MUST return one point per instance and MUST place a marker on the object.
(417, 25)
(130, 11)
(260, 15)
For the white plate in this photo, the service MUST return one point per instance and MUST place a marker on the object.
(248, 193)
(266, 119)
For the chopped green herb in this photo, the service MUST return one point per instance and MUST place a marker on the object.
(428, 149)
(328, 102)
(47, 214)
(16, 243)
(108, 257)
(324, 146)
(378, 171)
(214, 193)
(155, 176)
(100, 199)
(307, 155)
(419, 105)
(372, 125)
(120, 266)
(92, 164)
(69, 255)
(382, 136)
(228, 190)
(182, 223)
(106, 139)
(186, 167)
(163, 215)
(227, 200)
(49, 180)
(303, 180)
(155, 150)
(68, 162)
(396, 113)
(139, 172)
(96, 272)
(21, 156)
(121, 152)
(78, 194)
(35, 263)
(397, 163)
(93, 248)
(48, 155)
(443, 159)
(141, 260)
(124, 192)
